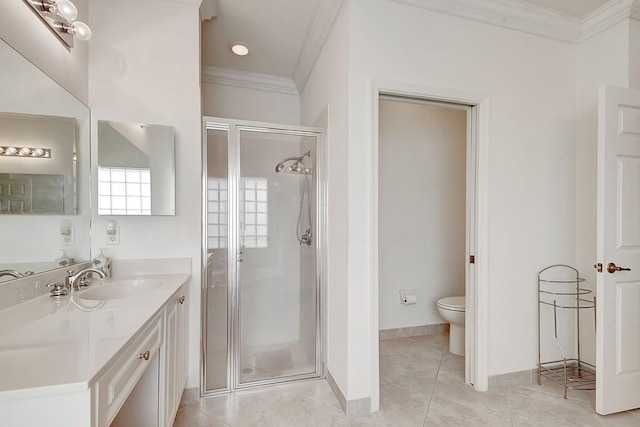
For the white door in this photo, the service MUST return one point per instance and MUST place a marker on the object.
(618, 247)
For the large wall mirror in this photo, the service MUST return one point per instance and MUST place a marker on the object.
(45, 189)
(136, 169)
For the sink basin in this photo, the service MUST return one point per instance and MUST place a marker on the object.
(118, 290)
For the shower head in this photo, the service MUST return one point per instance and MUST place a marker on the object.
(295, 167)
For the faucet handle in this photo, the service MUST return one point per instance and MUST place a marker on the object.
(58, 290)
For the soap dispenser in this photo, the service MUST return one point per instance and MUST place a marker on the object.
(103, 263)
(64, 260)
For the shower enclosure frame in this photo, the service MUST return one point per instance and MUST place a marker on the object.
(233, 129)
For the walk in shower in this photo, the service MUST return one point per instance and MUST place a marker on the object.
(262, 254)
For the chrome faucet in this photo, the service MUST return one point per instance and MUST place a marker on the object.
(74, 280)
(13, 273)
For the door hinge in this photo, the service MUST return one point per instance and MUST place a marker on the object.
(472, 259)
(598, 267)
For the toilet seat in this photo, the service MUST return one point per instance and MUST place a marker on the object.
(452, 303)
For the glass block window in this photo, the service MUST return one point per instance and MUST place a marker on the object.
(124, 191)
(253, 212)
(217, 213)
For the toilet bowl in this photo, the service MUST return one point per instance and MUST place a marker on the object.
(453, 311)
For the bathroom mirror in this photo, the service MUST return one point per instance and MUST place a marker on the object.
(136, 170)
(37, 113)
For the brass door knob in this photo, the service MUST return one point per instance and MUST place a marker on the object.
(612, 268)
(145, 355)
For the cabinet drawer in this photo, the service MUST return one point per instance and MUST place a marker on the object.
(122, 377)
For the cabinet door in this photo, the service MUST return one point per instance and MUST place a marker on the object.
(182, 341)
(174, 355)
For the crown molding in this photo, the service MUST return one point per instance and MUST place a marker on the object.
(244, 79)
(195, 3)
(534, 20)
(325, 17)
(515, 16)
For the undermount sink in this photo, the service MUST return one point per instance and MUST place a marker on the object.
(121, 289)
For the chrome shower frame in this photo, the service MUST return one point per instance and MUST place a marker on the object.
(233, 128)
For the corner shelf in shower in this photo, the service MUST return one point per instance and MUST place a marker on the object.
(559, 287)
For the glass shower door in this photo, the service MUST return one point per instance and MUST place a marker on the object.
(277, 288)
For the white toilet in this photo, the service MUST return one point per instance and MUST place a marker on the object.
(453, 311)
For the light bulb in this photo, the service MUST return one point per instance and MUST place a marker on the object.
(1, 150)
(81, 31)
(240, 49)
(38, 152)
(24, 151)
(11, 151)
(66, 9)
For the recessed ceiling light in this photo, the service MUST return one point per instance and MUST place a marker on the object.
(240, 48)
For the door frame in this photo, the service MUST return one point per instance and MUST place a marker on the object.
(477, 313)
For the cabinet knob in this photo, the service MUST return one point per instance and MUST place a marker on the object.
(145, 355)
(181, 300)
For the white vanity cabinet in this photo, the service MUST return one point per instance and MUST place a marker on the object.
(116, 384)
(148, 402)
(120, 363)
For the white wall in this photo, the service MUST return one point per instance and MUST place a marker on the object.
(602, 60)
(327, 90)
(144, 67)
(531, 204)
(26, 32)
(421, 210)
(233, 102)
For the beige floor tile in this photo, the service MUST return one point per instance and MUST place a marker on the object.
(190, 416)
(456, 391)
(400, 407)
(297, 410)
(422, 384)
(544, 409)
(443, 413)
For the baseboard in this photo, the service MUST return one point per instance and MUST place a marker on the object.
(413, 331)
(350, 407)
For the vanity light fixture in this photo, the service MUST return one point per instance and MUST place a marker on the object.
(239, 48)
(14, 151)
(60, 16)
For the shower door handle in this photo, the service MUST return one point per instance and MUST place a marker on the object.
(240, 253)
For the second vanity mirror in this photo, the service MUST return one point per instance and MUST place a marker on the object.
(136, 169)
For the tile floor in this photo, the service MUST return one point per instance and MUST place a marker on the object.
(422, 384)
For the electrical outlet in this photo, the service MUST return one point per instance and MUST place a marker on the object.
(113, 236)
(68, 239)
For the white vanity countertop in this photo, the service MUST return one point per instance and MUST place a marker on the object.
(50, 345)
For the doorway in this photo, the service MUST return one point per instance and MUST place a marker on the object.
(474, 110)
(262, 254)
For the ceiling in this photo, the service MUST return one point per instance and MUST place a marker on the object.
(277, 31)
